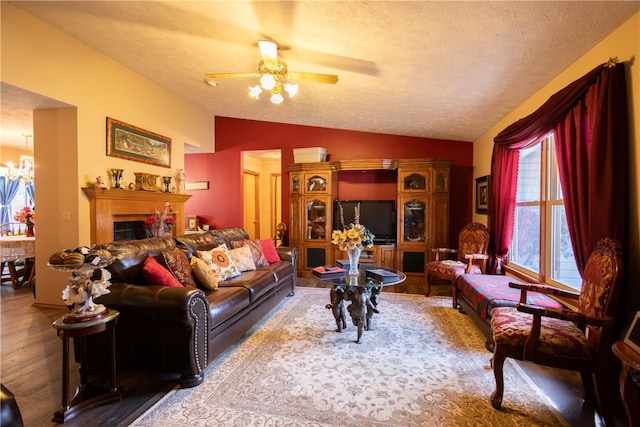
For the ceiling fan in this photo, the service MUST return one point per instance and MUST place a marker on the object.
(274, 75)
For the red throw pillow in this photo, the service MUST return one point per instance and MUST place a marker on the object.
(156, 274)
(269, 251)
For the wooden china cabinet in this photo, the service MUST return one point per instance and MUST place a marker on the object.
(422, 207)
(311, 188)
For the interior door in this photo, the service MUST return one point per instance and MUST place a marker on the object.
(251, 207)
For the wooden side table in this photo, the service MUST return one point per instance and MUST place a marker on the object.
(86, 396)
(629, 377)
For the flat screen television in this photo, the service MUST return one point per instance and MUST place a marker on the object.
(379, 216)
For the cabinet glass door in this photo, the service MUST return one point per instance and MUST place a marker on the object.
(316, 183)
(316, 220)
(414, 221)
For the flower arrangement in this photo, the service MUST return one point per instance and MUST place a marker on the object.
(160, 223)
(25, 216)
(354, 236)
(82, 288)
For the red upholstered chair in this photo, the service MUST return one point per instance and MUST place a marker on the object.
(473, 243)
(575, 340)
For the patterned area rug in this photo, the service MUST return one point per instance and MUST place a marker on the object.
(422, 364)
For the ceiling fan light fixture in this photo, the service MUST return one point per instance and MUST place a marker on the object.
(255, 91)
(291, 89)
(267, 81)
(277, 98)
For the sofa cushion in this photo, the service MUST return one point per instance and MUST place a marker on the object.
(220, 262)
(226, 302)
(178, 264)
(256, 250)
(242, 258)
(269, 251)
(205, 275)
(257, 282)
(156, 274)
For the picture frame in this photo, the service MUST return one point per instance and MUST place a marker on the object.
(632, 338)
(482, 194)
(130, 142)
(197, 185)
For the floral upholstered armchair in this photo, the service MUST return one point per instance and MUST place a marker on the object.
(473, 244)
(576, 340)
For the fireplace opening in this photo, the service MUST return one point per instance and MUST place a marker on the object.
(128, 230)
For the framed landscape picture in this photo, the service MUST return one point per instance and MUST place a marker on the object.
(133, 143)
(482, 194)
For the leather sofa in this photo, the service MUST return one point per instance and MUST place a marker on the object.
(182, 329)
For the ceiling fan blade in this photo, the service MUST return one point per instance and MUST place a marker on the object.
(269, 51)
(229, 75)
(313, 77)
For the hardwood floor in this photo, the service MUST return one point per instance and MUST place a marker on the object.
(31, 368)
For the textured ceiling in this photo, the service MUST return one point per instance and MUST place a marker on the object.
(447, 70)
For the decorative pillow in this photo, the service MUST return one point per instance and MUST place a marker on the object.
(256, 251)
(242, 258)
(178, 264)
(156, 274)
(206, 277)
(220, 262)
(269, 251)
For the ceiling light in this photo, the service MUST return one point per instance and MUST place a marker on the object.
(267, 81)
(255, 91)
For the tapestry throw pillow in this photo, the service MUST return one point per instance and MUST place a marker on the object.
(269, 251)
(178, 264)
(256, 251)
(156, 274)
(242, 258)
(205, 276)
(220, 262)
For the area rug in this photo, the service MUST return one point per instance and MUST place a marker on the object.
(422, 364)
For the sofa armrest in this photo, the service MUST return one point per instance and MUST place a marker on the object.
(168, 326)
(288, 253)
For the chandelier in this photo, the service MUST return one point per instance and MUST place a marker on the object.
(273, 73)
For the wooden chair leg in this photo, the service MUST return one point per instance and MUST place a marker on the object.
(426, 278)
(497, 362)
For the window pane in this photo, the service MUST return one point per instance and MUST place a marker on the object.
(526, 238)
(529, 175)
(563, 265)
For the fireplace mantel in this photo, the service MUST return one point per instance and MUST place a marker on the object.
(109, 206)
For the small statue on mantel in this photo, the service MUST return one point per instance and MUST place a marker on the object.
(182, 181)
(100, 183)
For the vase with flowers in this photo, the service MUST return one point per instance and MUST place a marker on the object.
(352, 239)
(27, 216)
(159, 223)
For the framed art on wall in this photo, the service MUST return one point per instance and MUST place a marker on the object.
(482, 194)
(133, 143)
(632, 338)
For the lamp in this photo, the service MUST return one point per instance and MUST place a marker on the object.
(271, 82)
(273, 73)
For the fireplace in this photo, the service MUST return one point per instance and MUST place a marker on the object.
(111, 207)
(128, 230)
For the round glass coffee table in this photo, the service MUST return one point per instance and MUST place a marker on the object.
(363, 293)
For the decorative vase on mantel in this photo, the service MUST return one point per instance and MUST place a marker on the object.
(30, 229)
(354, 258)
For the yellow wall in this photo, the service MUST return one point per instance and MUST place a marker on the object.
(623, 43)
(70, 145)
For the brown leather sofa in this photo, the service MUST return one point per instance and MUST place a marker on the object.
(182, 329)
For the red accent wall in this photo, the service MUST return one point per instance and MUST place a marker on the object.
(221, 205)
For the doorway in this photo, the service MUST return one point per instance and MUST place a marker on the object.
(262, 192)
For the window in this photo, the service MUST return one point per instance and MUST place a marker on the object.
(541, 244)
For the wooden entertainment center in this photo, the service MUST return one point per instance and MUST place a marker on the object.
(422, 205)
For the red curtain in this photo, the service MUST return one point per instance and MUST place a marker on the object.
(589, 120)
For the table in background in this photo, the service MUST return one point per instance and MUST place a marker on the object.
(13, 248)
(87, 396)
(363, 292)
(629, 378)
